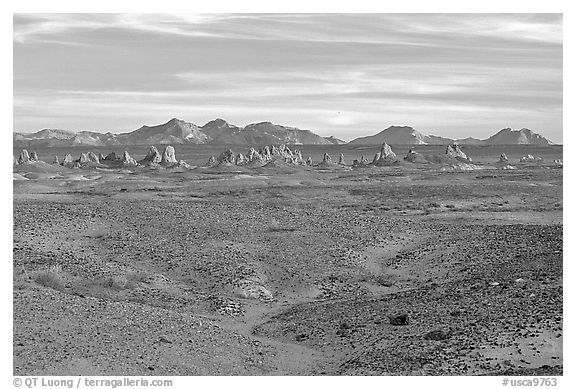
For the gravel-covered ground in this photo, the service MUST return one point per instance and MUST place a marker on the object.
(288, 271)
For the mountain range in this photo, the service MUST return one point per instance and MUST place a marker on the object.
(177, 131)
(404, 135)
(218, 131)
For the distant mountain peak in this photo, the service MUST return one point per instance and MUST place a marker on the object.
(261, 124)
(395, 135)
(399, 127)
(522, 136)
(332, 139)
(175, 121)
(520, 131)
(217, 123)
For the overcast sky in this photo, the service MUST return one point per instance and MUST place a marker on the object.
(346, 75)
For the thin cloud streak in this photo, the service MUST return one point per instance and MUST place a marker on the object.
(385, 28)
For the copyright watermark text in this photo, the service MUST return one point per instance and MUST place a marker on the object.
(536, 381)
(87, 382)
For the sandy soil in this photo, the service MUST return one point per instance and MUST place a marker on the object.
(288, 271)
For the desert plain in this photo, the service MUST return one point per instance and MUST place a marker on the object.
(283, 269)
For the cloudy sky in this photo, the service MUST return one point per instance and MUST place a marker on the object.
(346, 75)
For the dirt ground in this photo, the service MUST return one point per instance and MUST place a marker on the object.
(288, 271)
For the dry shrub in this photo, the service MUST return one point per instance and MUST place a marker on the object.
(138, 277)
(385, 281)
(114, 282)
(50, 278)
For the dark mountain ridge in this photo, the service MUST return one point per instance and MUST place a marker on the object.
(219, 131)
(177, 131)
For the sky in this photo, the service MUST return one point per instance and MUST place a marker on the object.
(346, 75)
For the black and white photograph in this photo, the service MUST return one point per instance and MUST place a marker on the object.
(286, 194)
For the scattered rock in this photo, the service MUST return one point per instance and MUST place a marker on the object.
(266, 153)
(461, 166)
(211, 161)
(326, 162)
(530, 158)
(285, 151)
(415, 157)
(24, 157)
(83, 159)
(169, 156)
(93, 157)
(258, 158)
(68, 160)
(226, 306)
(298, 156)
(253, 155)
(180, 164)
(363, 162)
(399, 320)
(127, 159)
(386, 155)
(152, 158)
(301, 337)
(437, 335)
(251, 290)
(269, 153)
(240, 159)
(455, 152)
(111, 157)
(226, 157)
